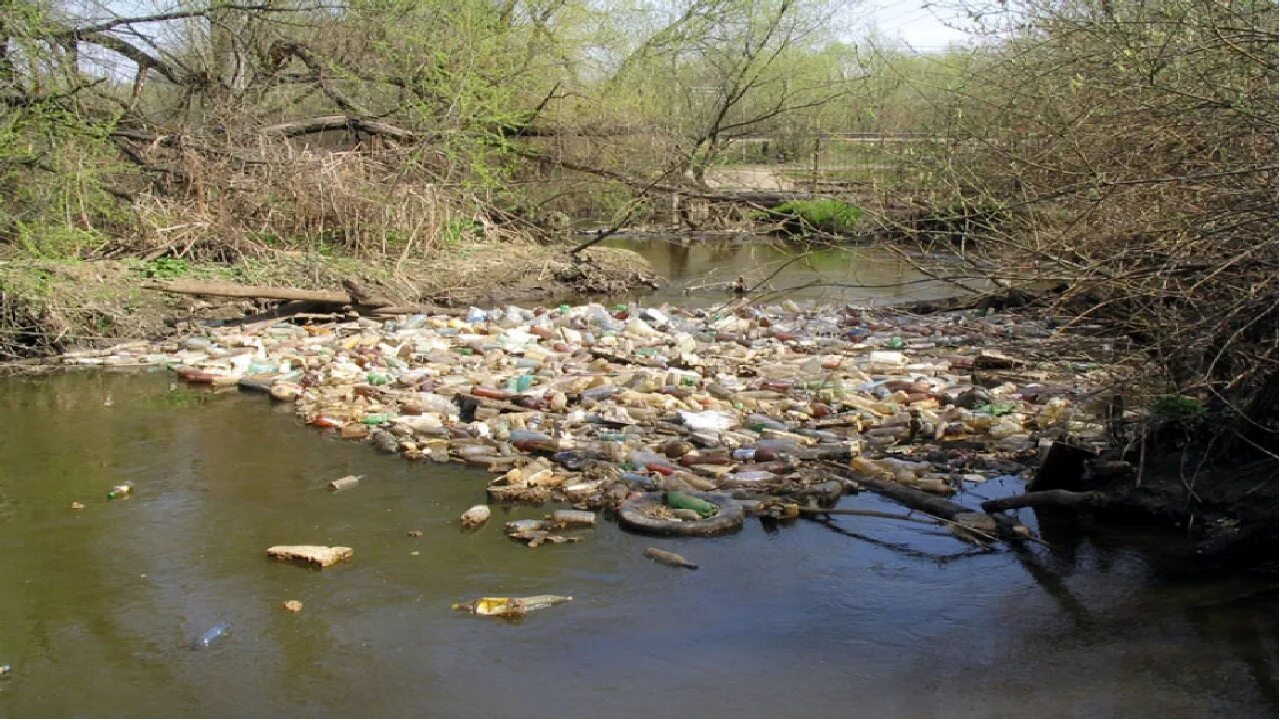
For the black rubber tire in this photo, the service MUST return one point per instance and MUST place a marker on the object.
(631, 516)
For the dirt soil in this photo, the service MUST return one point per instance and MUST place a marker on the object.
(50, 307)
(1227, 508)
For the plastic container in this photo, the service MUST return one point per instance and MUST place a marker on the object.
(122, 490)
(208, 637)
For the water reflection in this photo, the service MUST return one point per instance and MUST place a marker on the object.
(701, 269)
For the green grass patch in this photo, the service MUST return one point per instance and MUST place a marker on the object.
(55, 242)
(1178, 409)
(828, 215)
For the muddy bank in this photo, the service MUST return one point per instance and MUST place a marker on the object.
(1223, 509)
(50, 307)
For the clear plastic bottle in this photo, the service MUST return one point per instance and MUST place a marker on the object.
(120, 491)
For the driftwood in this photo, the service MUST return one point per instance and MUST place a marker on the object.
(420, 309)
(1062, 467)
(1047, 498)
(349, 123)
(930, 504)
(221, 289)
(353, 295)
(866, 513)
(363, 296)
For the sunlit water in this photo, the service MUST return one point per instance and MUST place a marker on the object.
(98, 606)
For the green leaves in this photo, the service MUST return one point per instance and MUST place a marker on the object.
(828, 215)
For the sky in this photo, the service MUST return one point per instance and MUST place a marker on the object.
(911, 22)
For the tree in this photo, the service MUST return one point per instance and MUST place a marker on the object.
(1131, 150)
(714, 70)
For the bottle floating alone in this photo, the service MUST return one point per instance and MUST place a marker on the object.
(208, 637)
(510, 607)
(120, 491)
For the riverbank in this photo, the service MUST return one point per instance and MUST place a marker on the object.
(49, 307)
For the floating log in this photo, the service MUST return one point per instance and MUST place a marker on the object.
(353, 295)
(223, 289)
(1008, 527)
(859, 512)
(1047, 498)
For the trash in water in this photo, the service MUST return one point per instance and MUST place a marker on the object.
(208, 637)
(682, 501)
(590, 405)
(475, 516)
(510, 607)
(293, 606)
(345, 483)
(535, 533)
(317, 555)
(671, 559)
(573, 517)
(119, 491)
(79, 505)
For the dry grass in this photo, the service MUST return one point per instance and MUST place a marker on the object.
(376, 205)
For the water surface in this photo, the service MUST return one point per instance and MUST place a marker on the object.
(99, 606)
(699, 268)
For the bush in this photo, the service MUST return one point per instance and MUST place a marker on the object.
(832, 216)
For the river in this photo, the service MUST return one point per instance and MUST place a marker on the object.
(99, 605)
(867, 275)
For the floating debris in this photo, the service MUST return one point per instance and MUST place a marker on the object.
(592, 406)
(536, 533)
(475, 517)
(511, 607)
(345, 483)
(119, 491)
(208, 637)
(317, 555)
(662, 557)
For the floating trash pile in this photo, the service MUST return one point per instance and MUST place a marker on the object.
(601, 408)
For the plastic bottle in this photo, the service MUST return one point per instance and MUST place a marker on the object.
(601, 392)
(682, 500)
(510, 607)
(491, 393)
(707, 457)
(208, 637)
(759, 422)
(531, 441)
(120, 491)
(643, 480)
(752, 476)
(647, 460)
(574, 517)
(775, 446)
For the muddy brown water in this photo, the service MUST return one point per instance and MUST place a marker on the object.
(98, 606)
(698, 267)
